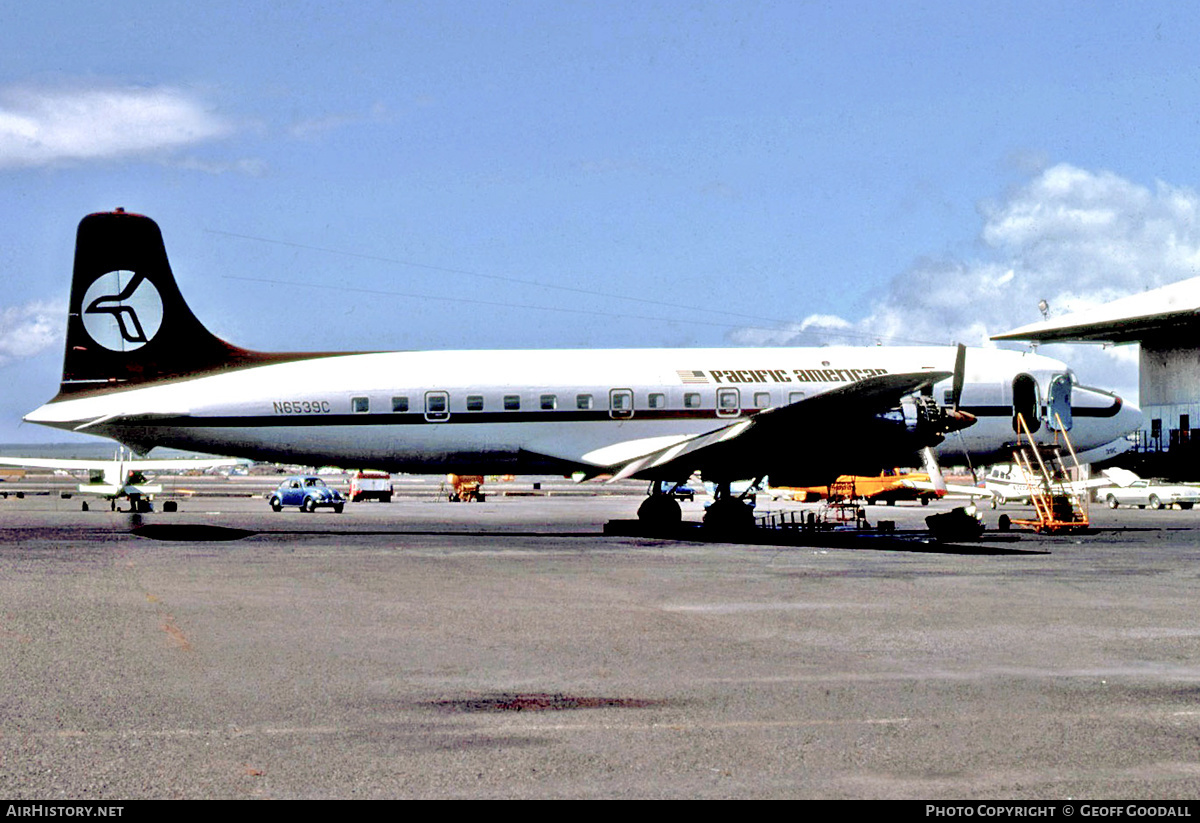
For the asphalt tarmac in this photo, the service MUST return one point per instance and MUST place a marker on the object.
(511, 650)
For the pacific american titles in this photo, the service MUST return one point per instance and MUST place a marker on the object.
(783, 376)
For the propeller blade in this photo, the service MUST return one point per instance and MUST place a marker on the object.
(933, 470)
(960, 376)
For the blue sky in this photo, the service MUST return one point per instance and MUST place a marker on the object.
(509, 175)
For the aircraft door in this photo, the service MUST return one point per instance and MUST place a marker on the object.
(729, 402)
(437, 406)
(1059, 404)
(1025, 402)
(620, 404)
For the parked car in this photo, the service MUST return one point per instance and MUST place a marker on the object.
(307, 491)
(1152, 493)
(680, 492)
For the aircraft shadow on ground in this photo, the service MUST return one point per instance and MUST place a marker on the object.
(210, 533)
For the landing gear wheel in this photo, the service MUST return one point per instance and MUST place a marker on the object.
(729, 514)
(660, 511)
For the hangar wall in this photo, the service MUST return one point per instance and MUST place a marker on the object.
(1169, 384)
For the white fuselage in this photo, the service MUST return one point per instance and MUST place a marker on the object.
(546, 410)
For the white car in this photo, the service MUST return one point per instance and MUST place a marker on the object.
(1152, 493)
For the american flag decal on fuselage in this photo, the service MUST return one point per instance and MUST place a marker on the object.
(689, 376)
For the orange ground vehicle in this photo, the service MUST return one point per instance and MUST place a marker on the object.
(886, 487)
(465, 488)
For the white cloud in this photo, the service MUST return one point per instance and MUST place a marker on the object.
(29, 329)
(317, 126)
(1072, 237)
(41, 127)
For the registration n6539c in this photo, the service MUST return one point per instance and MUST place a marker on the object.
(302, 407)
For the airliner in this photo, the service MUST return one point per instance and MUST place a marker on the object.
(140, 368)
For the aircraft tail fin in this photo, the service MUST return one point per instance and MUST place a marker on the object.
(127, 321)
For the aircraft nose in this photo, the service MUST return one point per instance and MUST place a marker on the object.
(1113, 416)
(1130, 417)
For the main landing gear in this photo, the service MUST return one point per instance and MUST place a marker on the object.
(727, 512)
(661, 509)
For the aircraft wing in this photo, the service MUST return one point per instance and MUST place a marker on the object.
(1017, 492)
(949, 488)
(745, 448)
(69, 464)
(184, 463)
(55, 463)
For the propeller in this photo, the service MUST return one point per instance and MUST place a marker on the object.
(960, 376)
(929, 459)
(953, 420)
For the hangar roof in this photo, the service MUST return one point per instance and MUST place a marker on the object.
(1126, 320)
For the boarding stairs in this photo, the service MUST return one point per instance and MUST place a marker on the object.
(1058, 507)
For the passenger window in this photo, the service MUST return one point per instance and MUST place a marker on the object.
(658, 401)
(399, 404)
(549, 402)
(583, 401)
(360, 405)
(474, 402)
(512, 402)
(691, 400)
(795, 396)
(762, 399)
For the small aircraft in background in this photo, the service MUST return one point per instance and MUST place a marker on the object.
(1006, 483)
(122, 477)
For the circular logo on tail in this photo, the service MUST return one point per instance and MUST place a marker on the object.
(122, 311)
